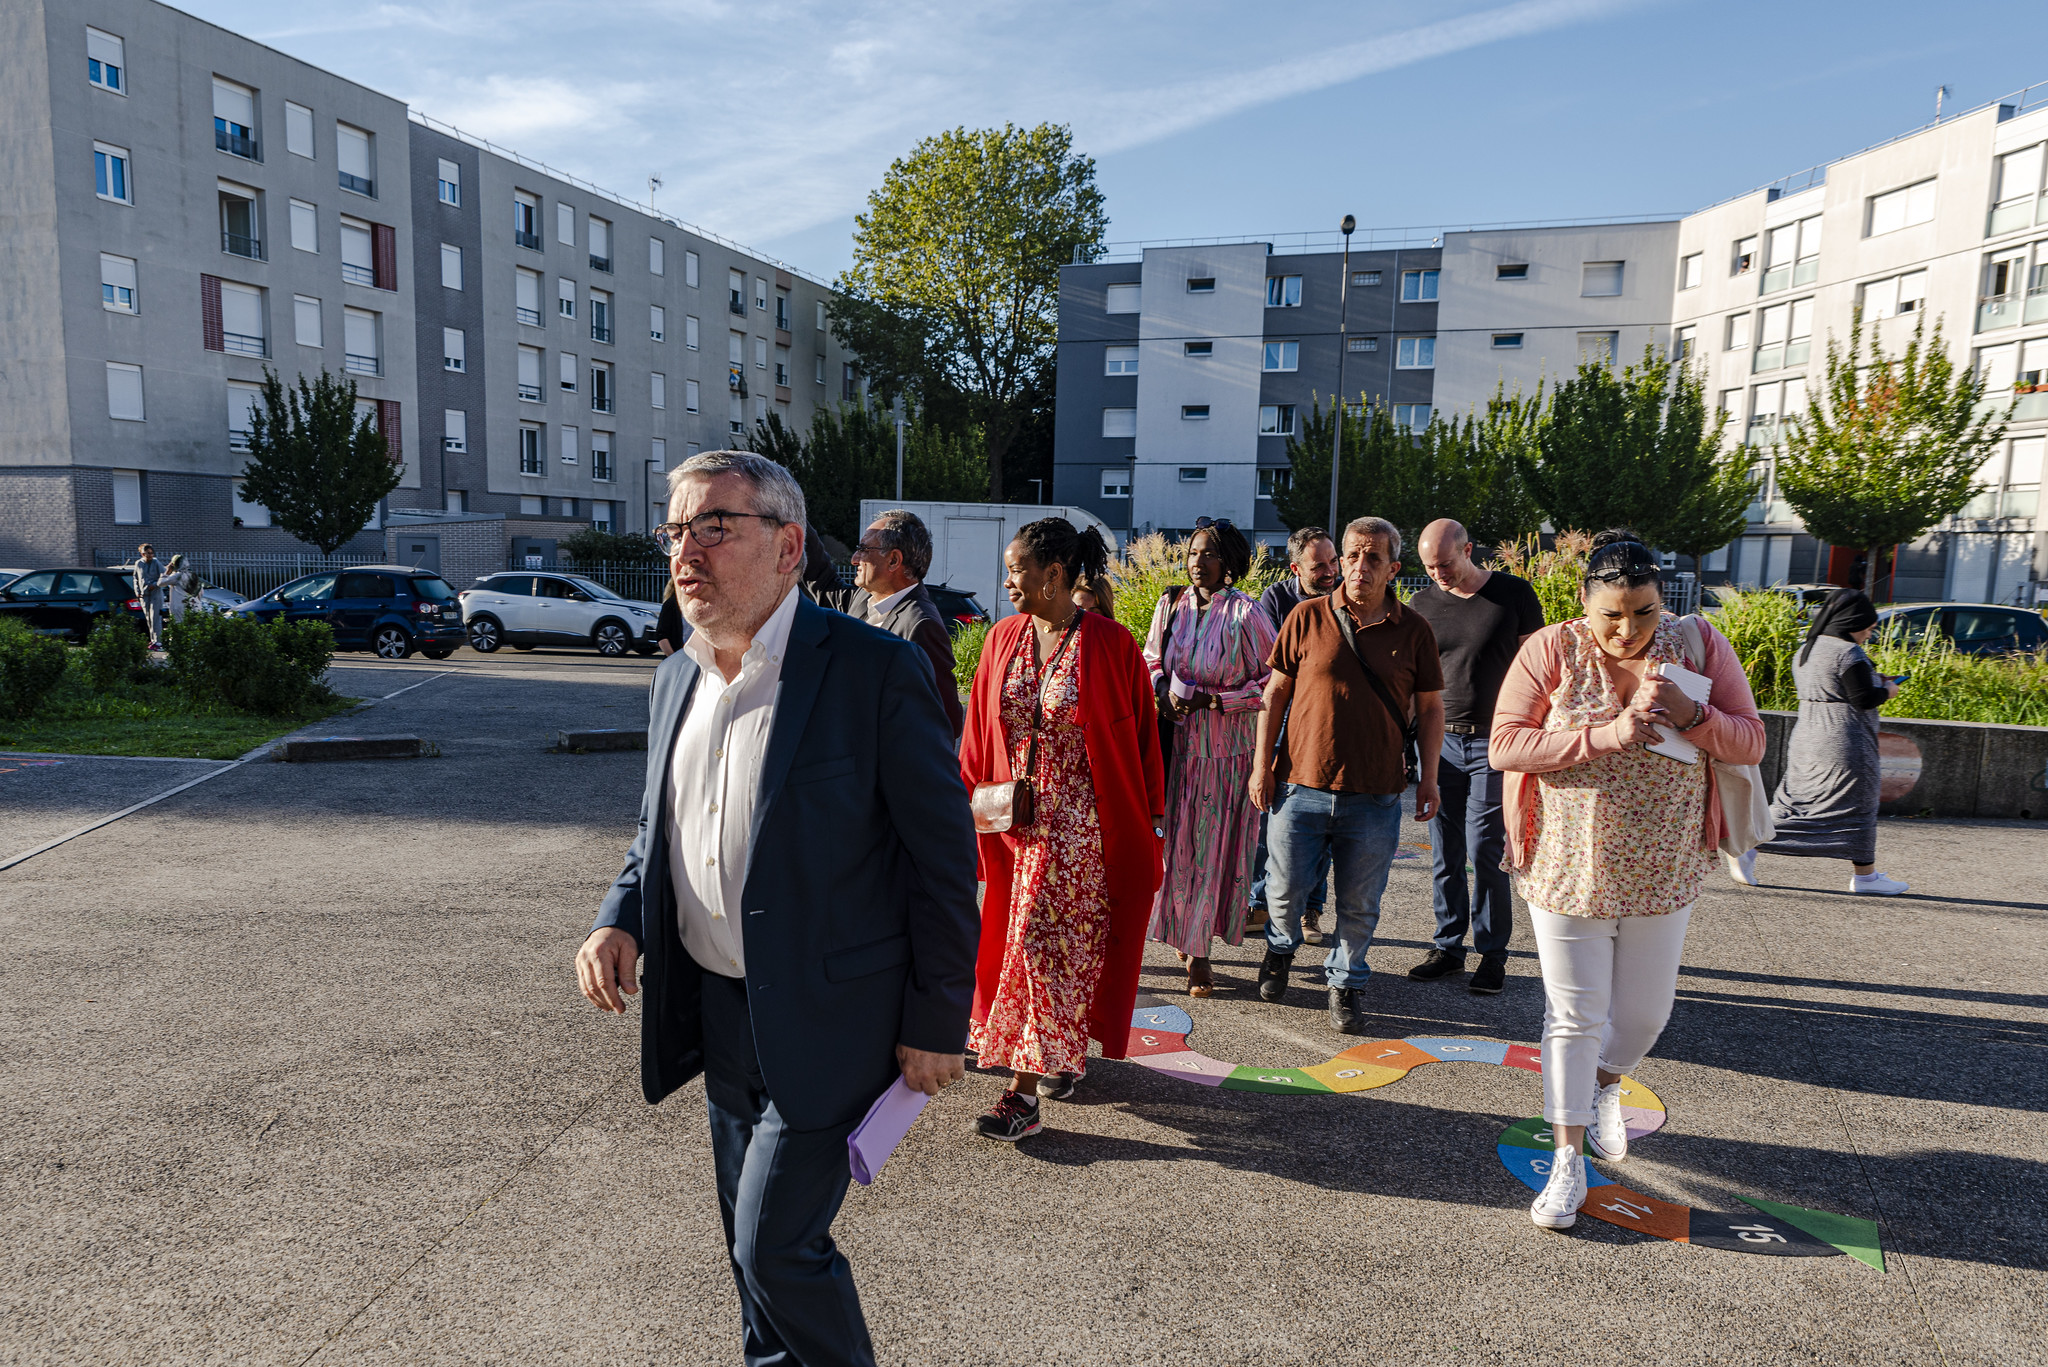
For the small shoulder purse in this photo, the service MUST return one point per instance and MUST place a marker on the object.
(1009, 805)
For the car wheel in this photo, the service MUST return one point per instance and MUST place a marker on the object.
(484, 636)
(391, 642)
(611, 638)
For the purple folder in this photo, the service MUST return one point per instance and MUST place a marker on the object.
(882, 1129)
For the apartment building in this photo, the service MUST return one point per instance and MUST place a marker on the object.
(187, 207)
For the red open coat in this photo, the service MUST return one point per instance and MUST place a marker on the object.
(1121, 731)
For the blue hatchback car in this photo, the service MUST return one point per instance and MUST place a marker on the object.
(388, 609)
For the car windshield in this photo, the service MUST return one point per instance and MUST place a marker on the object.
(319, 586)
(595, 590)
(426, 586)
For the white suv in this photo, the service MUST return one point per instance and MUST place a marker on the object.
(524, 609)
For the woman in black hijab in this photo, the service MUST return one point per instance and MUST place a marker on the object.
(1826, 807)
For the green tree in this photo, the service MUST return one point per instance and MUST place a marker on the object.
(954, 289)
(1889, 445)
(1378, 455)
(1718, 510)
(849, 455)
(319, 466)
(1632, 449)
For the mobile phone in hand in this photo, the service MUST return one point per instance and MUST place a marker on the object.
(1900, 679)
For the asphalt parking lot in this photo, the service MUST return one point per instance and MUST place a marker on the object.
(296, 1073)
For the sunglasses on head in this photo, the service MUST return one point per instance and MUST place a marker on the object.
(1631, 560)
(1203, 524)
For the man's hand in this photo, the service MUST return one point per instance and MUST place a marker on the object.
(605, 968)
(1260, 788)
(929, 1073)
(1427, 800)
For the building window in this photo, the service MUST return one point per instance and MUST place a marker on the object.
(526, 297)
(525, 220)
(1597, 347)
(242, 320)
(1283, 356)
(529, 453)
(1895, 295)
(565, 297)
(1745, 255)
(1784, 335)
(760, 353)
(1275, 481)
(657, 323)
(736, 294)
(600, 245)
(782, 314)
(117, 283)
(1411, 417)
(782, 367)
(451, 267)
(454, 354)
(1902, 208)
(448, 182)
(1194, 412)
(234, 119)
(1792, 255)
(1418, 287)
(1362, 344)
(568, 448)
(1283, 291)
(821, 315)
(820, 375)
(529, 375)
(761, 293)
(601, 456)
(566, 371)
(1200, 349)
(246, 514)
(1120, 360)
(1599, 279)
(1276, 420)
(358, 255)
(735, 415)
(360, 353)
(1119, 422)
(1507, 341)
(238, 219)
(1415, 353)
(1682, 340)
(1692, 270)
(1365, 278)
(849, 380)
(105, 61)
(454, 430)
(131, 498)
(690, 332)
(305, 226)
(1194, 474)
(657, 388)
(352, 155)
(1738, 331)
(1517, 271)
(656, 256)
(602, 398)
(306, 320)
(691, 267)
(2019, 183)
(567, 507)
(298, 130)
(1202, 284)
(1116, 483)
(110, 172)
(565, 224)
(600, 316)
(124, 391)
(1121, 299)
(692, 396)
(657, 455)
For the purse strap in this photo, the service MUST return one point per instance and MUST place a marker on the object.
(1410, 731)
(1038, 701)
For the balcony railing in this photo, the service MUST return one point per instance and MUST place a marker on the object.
(601, 470)
(1775, 279)
(236, 144)
(523, 238)
(2012, 217)
(242, 344)
(1797, 350)
(530, 317)
(601, 263)
(531, 393)
(234, 244)
(1807, 271)
(600, 333)
(2037, 304)
(600, 403)
(1767, 358)
(358, 275)
(356, 183)
(361, 365)
(1998, 311)
(529, 465)
(736, 306)
(237, 440)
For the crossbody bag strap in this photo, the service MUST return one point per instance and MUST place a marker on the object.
(1410, 731)
(1038, 701)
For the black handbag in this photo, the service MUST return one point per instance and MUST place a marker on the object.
(1411, 732)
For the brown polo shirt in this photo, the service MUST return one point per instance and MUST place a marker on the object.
(1339, 736)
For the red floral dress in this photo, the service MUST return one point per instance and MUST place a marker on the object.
(1059, 894)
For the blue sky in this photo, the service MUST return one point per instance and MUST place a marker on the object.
(769, 121)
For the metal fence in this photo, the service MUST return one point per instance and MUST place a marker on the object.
(641, 582)
(249, 574)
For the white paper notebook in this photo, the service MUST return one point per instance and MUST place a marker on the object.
(1694, 686)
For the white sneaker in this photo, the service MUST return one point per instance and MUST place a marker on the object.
(1742, 868)
(1557, 1205)
(1607, 1136)
(1876, 885)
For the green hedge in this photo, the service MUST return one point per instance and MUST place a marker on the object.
(31, 665)
(271, 668)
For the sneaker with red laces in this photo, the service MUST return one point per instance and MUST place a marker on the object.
(1012, 1118)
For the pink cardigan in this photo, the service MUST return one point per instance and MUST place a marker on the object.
(1519, 746)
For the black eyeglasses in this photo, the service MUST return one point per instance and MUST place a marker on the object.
(709, 529)
(1203, 524)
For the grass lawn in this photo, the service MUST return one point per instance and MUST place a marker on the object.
(145, 719)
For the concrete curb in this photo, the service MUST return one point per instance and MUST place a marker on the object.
(608, 738)
(319, 748)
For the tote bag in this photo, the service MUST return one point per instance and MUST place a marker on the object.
(1745, 807)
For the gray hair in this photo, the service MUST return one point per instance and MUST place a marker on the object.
(776, 492)
(905, 531)
(1376, 526)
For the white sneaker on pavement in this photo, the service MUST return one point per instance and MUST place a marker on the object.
(1557, 1205)
(1607, 1136)
(1742, 868)
(1877, 885)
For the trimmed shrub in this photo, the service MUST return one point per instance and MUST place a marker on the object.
(31, 665)
(1556, 574)
(252, 666)
(967, 644)
(115, 653)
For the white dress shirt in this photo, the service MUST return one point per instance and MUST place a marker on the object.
(878, 608)
(714, 784)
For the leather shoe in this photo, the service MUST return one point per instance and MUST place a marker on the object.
(1346, 1012)
(1273, 976)
(1439, 963)
(1490, 976)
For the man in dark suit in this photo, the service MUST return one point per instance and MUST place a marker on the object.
(889, 566)
(802, 887)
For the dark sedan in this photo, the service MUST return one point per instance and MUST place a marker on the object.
(70, 603)
(957, 606)
(1973, 628)
(388, 609)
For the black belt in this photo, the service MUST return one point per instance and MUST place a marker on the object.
(1462, 728)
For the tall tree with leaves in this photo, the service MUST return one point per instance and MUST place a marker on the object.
(849, 454)
(954, 288)
(317, 464)
(1718, 510)
(1889, 445)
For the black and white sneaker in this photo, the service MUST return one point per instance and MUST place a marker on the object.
(1012, 1118)
(1056, 1086)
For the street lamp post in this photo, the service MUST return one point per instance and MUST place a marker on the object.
(1349, 225)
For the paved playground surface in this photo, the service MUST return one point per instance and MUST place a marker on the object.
(296, 1072)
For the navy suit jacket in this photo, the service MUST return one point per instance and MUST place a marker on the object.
(859, 916)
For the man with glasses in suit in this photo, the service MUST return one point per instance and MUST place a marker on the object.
(889, 566)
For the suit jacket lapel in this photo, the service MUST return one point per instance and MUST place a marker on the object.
(667, 728)
(803, 673)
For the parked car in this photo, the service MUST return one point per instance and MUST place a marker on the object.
(523, 609)
(71, 602)
(390, 609)
(957, 606)
(1973, 628)
(9, 576)
(217, 600)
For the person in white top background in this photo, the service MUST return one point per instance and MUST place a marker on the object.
(787, 886)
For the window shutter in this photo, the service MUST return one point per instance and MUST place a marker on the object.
(387, 423)
(209, 313)
(384, 255)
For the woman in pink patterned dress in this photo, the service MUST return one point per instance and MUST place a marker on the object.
(1609, 842)
(1214, 640)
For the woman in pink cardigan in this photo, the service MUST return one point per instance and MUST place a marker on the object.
(1609, 843)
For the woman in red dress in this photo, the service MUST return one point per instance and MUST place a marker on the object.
(1068, 895)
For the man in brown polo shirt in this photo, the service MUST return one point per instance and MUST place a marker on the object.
(1335, 790)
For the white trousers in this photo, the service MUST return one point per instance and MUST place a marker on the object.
(1608, 986)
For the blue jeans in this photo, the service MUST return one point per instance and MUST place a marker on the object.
(1354, 833)
(1469, 824)
(1317, 895)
